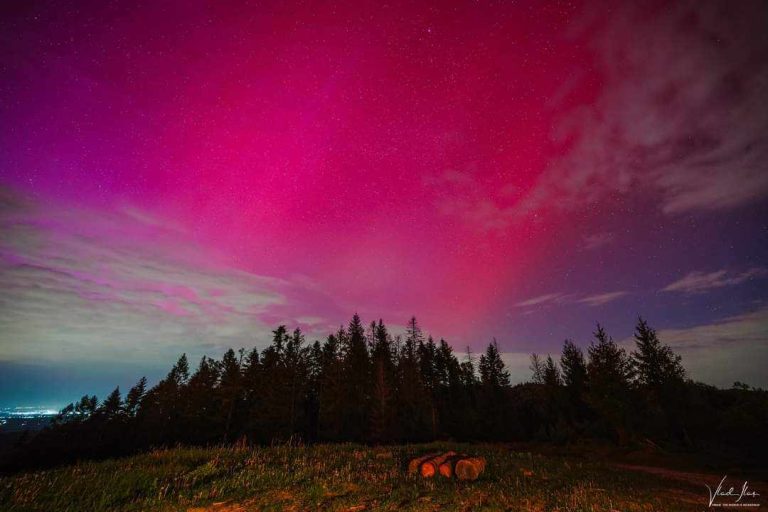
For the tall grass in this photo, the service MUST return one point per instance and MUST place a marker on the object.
(334, 477)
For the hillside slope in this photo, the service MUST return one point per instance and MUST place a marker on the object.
(341, 477)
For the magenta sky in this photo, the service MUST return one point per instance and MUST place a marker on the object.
(182, 176)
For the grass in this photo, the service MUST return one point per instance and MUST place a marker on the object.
(341, 477)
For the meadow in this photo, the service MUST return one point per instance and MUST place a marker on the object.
(349, 477)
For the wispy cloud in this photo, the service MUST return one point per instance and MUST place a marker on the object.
(698, 282)
(681, 115)
(601, 298)
(598, 299)
(541, 300)
(80, 285)
(597, 241)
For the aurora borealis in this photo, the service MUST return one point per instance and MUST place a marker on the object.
(185, 176)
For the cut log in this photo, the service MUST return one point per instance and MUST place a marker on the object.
(429, 468)
(446, 469)
(469, 469)
(415, 464)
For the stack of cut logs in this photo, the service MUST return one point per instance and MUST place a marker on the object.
(448, 464)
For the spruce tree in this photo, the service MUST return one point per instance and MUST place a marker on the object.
(412, 403)
(332, 388)
(574, 367)
(112, 405)
(609, 372)
(654, 362)
(297, 373)
(660, 375)
(427, 353)
(230, 389)
(134, 397)
(383, 386)
(574, 372)
(493, 373)
(357, 375)
(551, 375)
(202, 415)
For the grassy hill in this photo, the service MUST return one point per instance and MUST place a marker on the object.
(347, 477)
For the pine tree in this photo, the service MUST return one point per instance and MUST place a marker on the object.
(537, 369)
(574, 372)
(451, 398)
(427, 353)
(274, 416)
(660, 374)
(492, 370)
(314, 385)
(412, 406)
(297, 373)
(574, 367)
(382, 407)
(201, 416)
(357, 375)
(252, 399)
(230, 389)
(551, 374)
(609, 372)
(332, 388)
(493, 405)
(180, 371)
(112, 405)
(134, 397)
(655, 364)
(468, 373)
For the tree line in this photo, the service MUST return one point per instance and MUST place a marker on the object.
(363, 384)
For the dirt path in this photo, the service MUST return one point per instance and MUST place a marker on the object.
(695, 479)
(699, 480)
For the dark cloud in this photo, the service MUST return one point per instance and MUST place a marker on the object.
(682, 113)
(680, 117)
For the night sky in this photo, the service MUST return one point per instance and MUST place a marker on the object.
(185, 176)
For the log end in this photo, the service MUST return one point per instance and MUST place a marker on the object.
(427, 470)
(470, 468)
(414, 467)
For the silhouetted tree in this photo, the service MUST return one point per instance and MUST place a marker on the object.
(492, 371)
(383, 388)
(230, 389)
(660, 373)
(537, 369)
(202, 415)
(609, 371)
(252, 395)
(574, 373)
(412, 402)
(655, 364)
(134, 397)
(332, 388)
(372, 387)
(357, 379)
(494, 387)
(574, 368)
